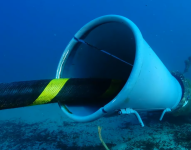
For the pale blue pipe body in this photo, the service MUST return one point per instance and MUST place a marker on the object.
(149, 86)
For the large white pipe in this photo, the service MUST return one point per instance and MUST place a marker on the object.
(149, 86)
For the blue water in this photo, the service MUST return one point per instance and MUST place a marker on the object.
(33, 35)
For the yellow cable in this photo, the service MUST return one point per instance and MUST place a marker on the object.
(100, 137)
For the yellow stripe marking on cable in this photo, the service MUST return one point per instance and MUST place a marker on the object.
(50, 91)
(113, 88)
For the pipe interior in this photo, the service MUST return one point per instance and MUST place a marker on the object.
(87, 61)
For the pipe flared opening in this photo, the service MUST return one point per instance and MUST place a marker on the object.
(105, 50)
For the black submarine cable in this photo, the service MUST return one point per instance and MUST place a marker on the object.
(64, 90)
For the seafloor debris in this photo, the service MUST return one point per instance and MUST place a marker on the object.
(100, 137)
(187, 64)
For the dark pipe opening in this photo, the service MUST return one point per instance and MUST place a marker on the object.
(87, 61)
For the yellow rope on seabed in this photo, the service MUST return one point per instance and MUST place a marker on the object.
(100, 137)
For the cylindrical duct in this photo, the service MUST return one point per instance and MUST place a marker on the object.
(112, 47)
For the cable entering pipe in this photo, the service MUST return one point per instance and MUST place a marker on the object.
(82, 41)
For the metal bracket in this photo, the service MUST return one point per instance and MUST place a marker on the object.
(131, 111)
(164, 111)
